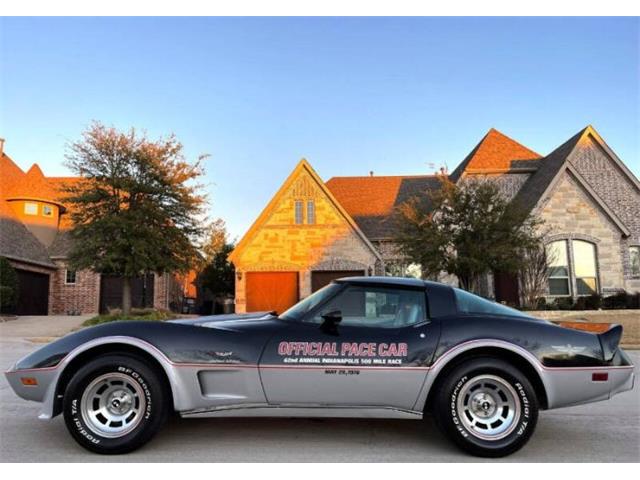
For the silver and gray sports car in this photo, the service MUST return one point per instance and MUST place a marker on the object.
(359, 347)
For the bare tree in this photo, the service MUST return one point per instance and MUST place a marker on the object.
(534, 272)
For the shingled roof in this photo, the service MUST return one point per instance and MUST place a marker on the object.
(16, 241)
(549, 171)
(550, 166)
(371, 201)
(34, 185)
(497, 153)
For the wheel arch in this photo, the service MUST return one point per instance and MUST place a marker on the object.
(121, 346)
(513, 354)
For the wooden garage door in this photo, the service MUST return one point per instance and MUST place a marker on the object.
(321, 278)
(268, 291)
(33, 293)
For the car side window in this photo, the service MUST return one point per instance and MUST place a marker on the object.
(376, 307)
(470, 303)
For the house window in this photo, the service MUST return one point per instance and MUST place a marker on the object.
(584, 264)
(311, 212)
(634, 260)
(558, 260)
(70, 277)
(572, 265)
(299, 212)
(30, 208)
(47, 210)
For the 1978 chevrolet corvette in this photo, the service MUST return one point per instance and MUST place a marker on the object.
(359, 347)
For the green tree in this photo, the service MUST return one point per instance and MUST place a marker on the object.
(137, 209)
(218, 274)
(467, 229)
(8, 285)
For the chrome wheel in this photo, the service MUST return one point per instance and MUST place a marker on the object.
(488, 407)
(112, 405)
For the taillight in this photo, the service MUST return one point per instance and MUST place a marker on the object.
(600, 376)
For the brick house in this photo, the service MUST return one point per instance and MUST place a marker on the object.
(311, 231)
(34, 226)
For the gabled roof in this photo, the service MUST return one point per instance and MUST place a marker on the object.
(10, 173)
(264, 215)
(547, 175)
(497, 153)
(372, 201)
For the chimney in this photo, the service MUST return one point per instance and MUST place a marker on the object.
(371, 173)
(1, 146)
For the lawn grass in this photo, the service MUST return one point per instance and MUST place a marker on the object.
(141, 315)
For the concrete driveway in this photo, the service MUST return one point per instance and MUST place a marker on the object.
(600, 432)
(40, 327)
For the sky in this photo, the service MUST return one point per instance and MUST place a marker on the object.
(351, 95)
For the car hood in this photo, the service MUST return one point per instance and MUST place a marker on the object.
(231, 322)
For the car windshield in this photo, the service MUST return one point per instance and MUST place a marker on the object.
(301, 308)
(470, 303)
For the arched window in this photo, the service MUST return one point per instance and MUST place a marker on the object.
(572, 268)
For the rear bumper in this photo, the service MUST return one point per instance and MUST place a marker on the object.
(575, 386)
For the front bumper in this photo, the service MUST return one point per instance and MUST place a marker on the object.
(42, 391)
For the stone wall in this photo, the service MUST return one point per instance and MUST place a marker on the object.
(278, 244)
(617, 190)
(570, 213)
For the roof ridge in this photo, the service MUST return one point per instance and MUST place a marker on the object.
(384, 176)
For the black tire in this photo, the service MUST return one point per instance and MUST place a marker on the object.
(467, 390)
(141, 390)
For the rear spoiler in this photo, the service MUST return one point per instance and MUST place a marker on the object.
(609, 335)
(610, 340)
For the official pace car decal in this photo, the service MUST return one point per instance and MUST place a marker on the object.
(344, 353)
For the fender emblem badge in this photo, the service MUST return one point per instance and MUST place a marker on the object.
(568, 349)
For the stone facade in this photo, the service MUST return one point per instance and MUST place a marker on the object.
(276, 243)
(569, 213)
(581, 191)
(607, 178)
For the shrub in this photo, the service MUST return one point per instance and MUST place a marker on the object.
(594, 302)
(562, 303)
(617, 301)
(140, 314)
(8, 285)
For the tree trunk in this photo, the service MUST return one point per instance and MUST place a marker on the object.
(126, 295)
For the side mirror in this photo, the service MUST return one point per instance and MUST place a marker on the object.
(335, 316)
(330, 324)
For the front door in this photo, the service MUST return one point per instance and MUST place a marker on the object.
(375, 356)
(506, 288)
